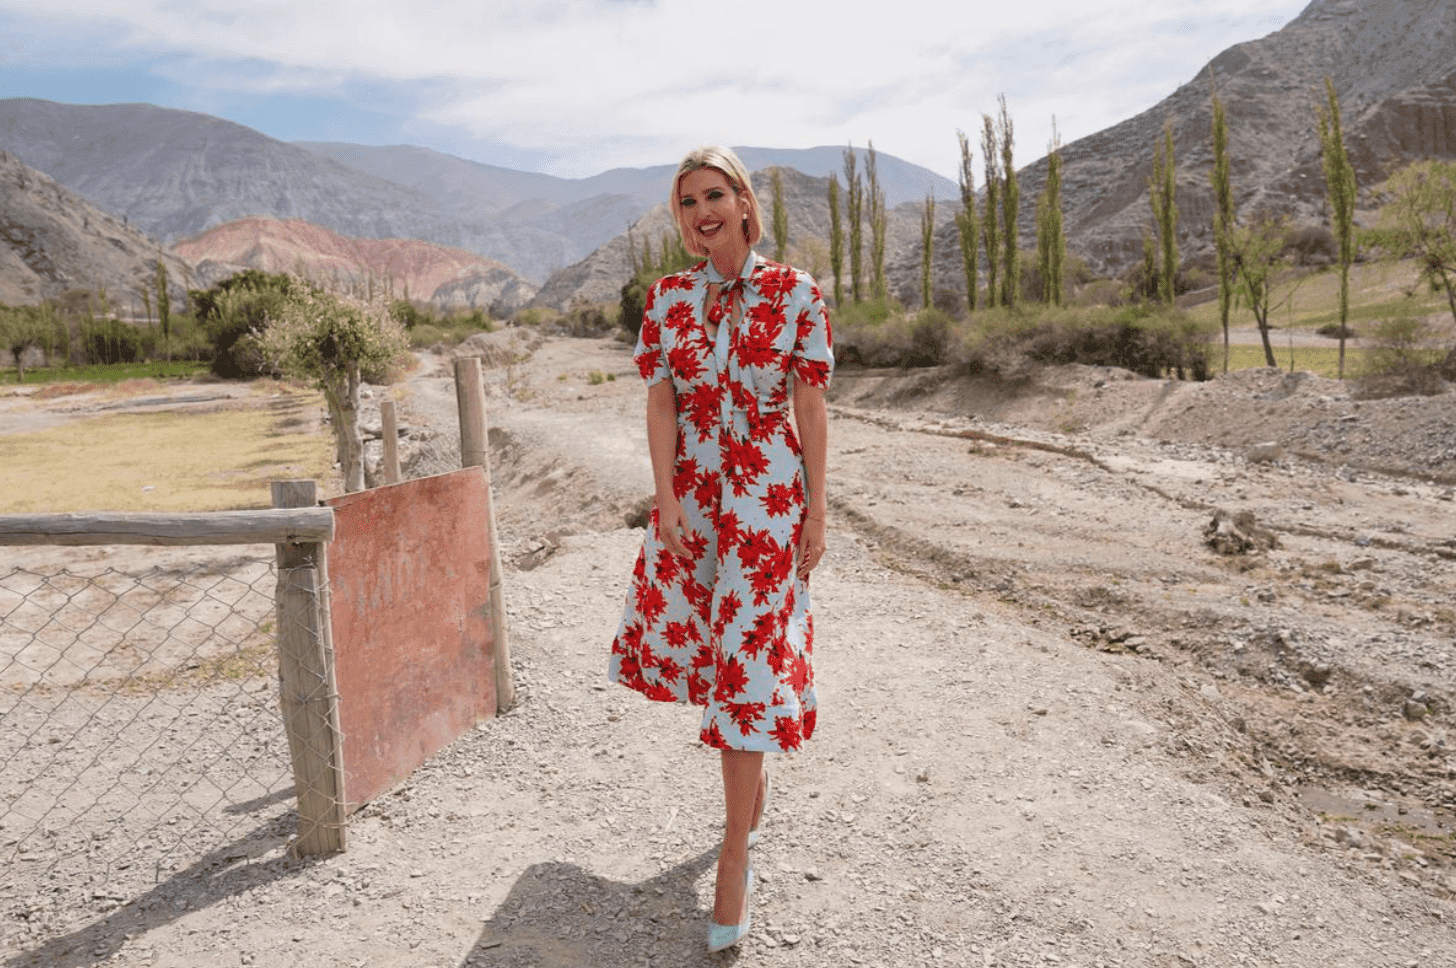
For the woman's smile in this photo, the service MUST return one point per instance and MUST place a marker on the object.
(712, 206)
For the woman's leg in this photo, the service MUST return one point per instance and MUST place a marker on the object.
(741, 787)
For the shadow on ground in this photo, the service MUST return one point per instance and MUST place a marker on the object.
(560, 916)
(226, 872)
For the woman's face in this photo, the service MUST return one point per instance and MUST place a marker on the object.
(711, 210)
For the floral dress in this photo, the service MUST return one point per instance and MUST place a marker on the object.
(729, 628)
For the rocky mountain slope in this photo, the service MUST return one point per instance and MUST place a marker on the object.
(52, 240)
(1393, 64)
(448, 278)
(179, 173)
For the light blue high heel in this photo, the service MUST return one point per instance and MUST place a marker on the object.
(763, 812)
(724, 936)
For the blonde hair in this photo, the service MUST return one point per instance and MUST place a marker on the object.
(725, 161)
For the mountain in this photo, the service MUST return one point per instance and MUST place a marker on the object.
(448, 278)
(600, 276)
(52, 240)
(1393, 65)
(454, 183)
(177, 174)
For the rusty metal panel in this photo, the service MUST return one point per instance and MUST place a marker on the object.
(409, 571)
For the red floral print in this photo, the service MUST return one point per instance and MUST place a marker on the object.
(730, 628)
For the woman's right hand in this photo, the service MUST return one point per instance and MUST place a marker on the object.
(672, 526)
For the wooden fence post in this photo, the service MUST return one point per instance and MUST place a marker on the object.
(390, 428)
(474, 452)
(307, 686)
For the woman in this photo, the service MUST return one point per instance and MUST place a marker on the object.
(718, 612)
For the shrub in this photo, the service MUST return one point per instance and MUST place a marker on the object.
(1312, 245)
(1401, 362)
(236, 310)
(535, 316)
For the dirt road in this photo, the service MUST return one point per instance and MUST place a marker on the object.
(1056, 727)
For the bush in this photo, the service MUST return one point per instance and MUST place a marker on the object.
(1401, 362)
(236, 310)
(112, 341)
(1312, 245)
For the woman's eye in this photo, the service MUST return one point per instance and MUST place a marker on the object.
(714, 195)
(687, 203)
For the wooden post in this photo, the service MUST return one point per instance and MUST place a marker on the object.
(307, 687)
(474, 452)
(390, 429)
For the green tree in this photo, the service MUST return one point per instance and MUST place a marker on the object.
(1162, 192)
(1051, 239)
(991, 224)
(780, 217)
(23, 328)
(875, 195)
(234, 311)
(1340, 189)
(836, 240)
(331, 341)
(164, 308)
(1419, 222)
(675, 258)
(1223, 220)
(855, 197)
(1257, 253)
(927, 245)
(968, 222)
(1010, 208)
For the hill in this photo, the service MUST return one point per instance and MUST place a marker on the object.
(52, 240)
(448, 278)
(1393, 64)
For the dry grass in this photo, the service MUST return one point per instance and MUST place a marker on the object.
(214, 461)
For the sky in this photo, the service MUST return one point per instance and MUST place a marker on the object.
(573, 88)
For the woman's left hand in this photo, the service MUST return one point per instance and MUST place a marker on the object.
(811, 546)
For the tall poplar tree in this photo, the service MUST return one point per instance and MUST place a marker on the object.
(875, 195)
(1162, 190)
(836, 239)
(1223, 220)
(1010, 206)
(164, 307)
(780, 218)
(927, 245)
(991, 224)
(855, 192)
(967, 222)
(1051, 239)
(1340, 187)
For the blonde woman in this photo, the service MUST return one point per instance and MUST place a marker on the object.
(736, 353)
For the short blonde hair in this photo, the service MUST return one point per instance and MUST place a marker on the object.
(723, 160)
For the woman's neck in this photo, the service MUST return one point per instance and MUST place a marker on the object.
(729, 259)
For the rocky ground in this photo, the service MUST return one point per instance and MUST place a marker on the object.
(1058, 725)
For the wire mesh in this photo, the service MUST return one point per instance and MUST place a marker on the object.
(141, 727)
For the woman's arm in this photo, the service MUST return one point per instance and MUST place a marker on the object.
(811, 416)
(662, 446)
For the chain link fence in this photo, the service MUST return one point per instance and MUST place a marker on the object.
(141, 723)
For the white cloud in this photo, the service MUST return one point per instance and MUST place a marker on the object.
(596, 83)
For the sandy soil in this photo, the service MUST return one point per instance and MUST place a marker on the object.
(1057, 727)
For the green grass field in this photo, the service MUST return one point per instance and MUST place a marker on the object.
(107, 373)
(1378, 291)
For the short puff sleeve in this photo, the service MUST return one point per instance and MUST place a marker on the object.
(650, 360)
(813, 357)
